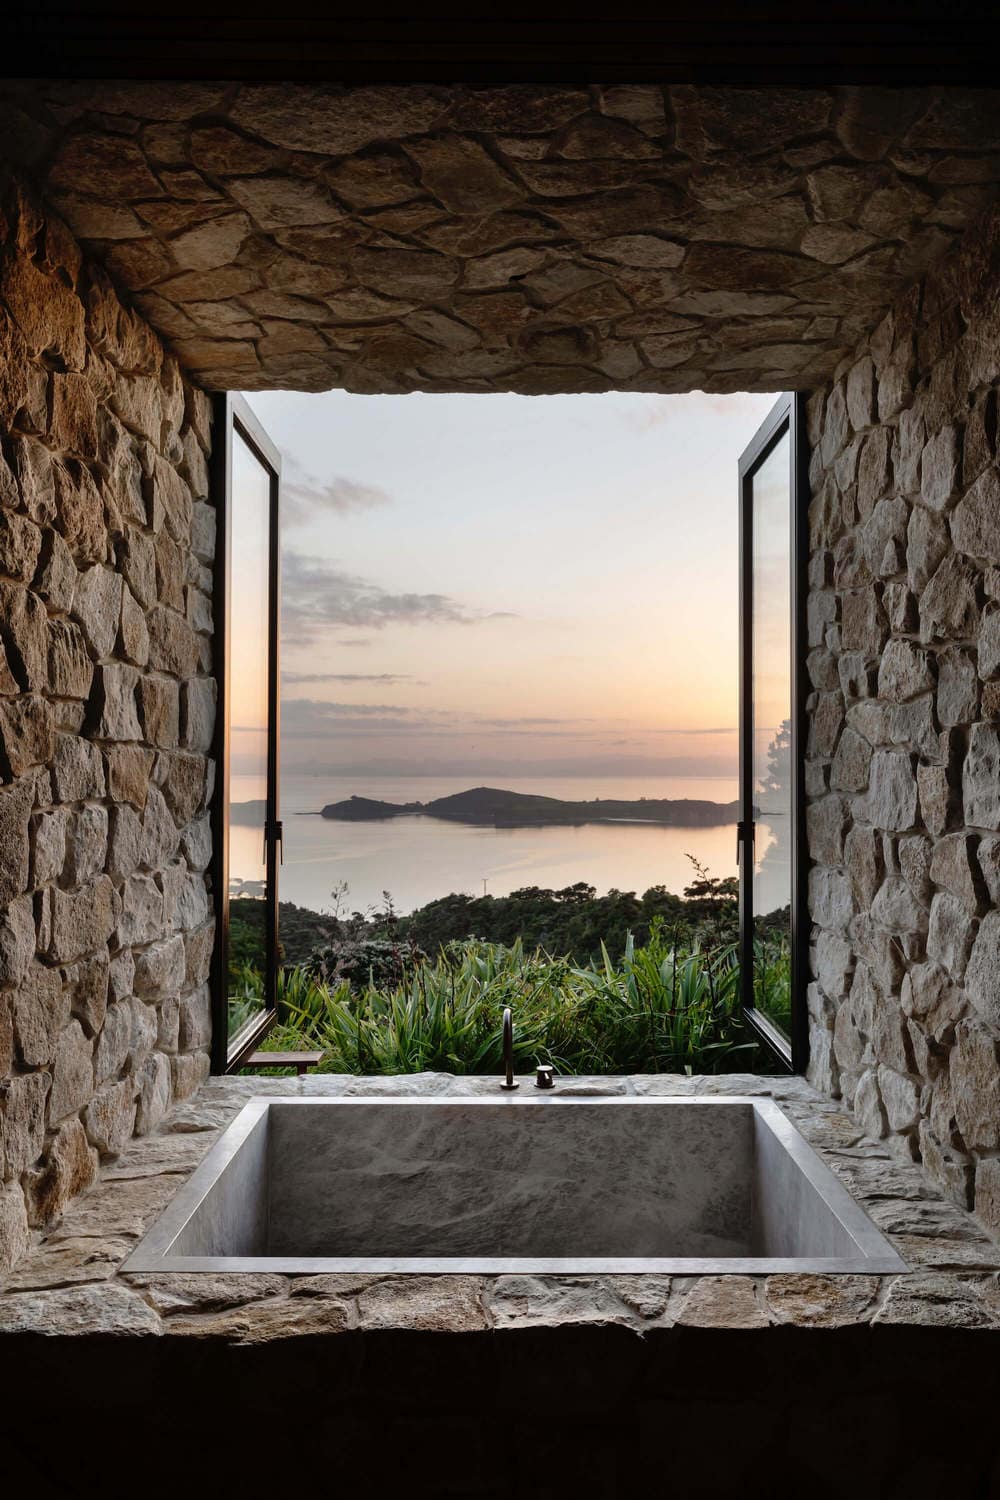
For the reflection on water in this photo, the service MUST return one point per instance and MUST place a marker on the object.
(419, 859)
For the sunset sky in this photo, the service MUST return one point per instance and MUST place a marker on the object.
(510, 585)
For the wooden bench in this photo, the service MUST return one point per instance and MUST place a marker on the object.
(300, 1061)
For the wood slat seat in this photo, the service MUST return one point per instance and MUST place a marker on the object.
(300, 1061)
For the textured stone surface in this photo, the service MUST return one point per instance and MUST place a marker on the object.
(81, 1256)
(96, 498)
(404, 238)
(915, 1038)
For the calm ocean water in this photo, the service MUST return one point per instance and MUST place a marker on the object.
(418, 859)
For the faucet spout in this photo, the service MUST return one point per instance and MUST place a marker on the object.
(510, 1082)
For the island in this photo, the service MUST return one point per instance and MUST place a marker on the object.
(492, 807)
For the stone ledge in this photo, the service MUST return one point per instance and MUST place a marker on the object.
(70, 1284)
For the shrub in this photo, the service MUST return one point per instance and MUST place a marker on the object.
(661, 1007)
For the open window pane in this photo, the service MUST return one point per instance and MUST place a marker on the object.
(771, 867)
(248, 735)
(245, 978)
(772, 731)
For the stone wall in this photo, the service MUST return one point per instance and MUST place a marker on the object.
(106, 713)
(903, 768)
(528, 238)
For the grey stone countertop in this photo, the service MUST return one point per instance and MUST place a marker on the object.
(70, 1283)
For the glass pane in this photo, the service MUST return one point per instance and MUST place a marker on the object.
(772, 725)
(248, 725)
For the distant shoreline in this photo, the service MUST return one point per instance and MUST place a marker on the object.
(497, 808)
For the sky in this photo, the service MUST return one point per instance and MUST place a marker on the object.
(508, 585)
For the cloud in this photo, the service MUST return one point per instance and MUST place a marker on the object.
(303, 497)
(386, 677)
(649, 414)
(318, 596)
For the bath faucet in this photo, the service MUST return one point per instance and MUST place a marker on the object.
(510, 1082)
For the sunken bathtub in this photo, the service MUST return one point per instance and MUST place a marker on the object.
(513, 1184)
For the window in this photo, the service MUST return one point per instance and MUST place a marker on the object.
(773, 937)
(247, 832)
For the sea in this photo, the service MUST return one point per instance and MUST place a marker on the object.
(417, 859)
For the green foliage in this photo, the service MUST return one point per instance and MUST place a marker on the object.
(772, 977)
(576, 920)
(375, 961)
(661, 1007)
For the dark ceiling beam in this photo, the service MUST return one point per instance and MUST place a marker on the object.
(894, 43)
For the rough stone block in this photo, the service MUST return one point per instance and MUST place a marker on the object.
(71, 671)
(134, 637)
(199, 713)
(20, 546)
(113, 1043)
(24, 627)
(17, 939)
(937, 798)
(974, 527)
(77, 770)
(949, 936)
(113, 708)
(184, 785)
(141, 911)
(73, 415)
(982, 975)
(953, 865)
(137, 559)
(129, 768)
(188, 1072)
(903, 672)
(981, 777)
(48, 314)
(154, 1079)
(71, 1167)
(109, 1118)
(86, 844)
(987, 1193)
(958, 687)
(83, 920)
(173, 645)
(97, 605)
(829, 898)
(989, 641)
(896, 909)
(975, 1081)
(159, 969)
(26, 734)
(82, 517)
(185, 898)
(41, 1010)
(940, 468)
(892, 792)
(159, 709)
(825, 821)
(72, 1073)
(948, 605)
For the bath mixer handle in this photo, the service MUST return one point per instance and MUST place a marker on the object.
(510, 1082)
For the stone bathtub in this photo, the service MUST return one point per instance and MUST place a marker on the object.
(513, 1184)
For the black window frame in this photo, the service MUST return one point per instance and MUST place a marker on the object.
(233, 416)
(786, 416)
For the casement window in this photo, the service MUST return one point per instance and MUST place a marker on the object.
(774, 923)
(247, 829)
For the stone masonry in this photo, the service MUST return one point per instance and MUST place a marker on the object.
(106, 714)
(903, 757)
(531, 239)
